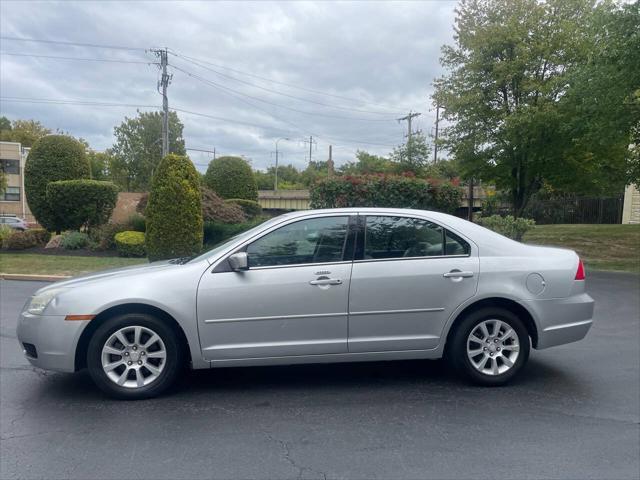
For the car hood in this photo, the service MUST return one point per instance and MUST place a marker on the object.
(113, 273)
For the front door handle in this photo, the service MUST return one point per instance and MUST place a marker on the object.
(326, 281)
(457, 274)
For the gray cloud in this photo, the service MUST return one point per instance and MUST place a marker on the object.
(385, 55)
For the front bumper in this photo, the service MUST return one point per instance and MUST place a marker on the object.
(54, 338)
(562, 320)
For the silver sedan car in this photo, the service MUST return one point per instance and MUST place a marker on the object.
(341, 285)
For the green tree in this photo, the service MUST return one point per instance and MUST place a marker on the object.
(519, 95)
(138, 148)
(231, 177)
(367, 164)
(52, 158)
(413, 156)
(174, 211)
(100, 164)
(81, 203)
(26, 132)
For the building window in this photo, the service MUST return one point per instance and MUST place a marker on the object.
(10, 166)
(11, 194)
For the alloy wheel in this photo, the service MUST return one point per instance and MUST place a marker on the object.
(493, 347)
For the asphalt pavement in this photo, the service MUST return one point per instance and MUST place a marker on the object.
(574, 412)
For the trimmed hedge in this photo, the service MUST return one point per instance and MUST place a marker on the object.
(81, 203)
(231, 177)
(103, 237)
(385, 191)
(28, 239)
(130, 244)
(250, 208)
(174, 211)
(52, 158)
(508, 226)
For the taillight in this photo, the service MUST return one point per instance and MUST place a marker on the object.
(580, 272)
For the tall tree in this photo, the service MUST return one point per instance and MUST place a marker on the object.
(138, 148)
(509, 94)
(413, 156)
(367, 163)
(26, 132)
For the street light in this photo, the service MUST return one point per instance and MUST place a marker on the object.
(275, 183)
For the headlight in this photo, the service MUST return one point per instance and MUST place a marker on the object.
(40, 301)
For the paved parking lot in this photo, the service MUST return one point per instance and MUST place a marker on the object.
(574, 413)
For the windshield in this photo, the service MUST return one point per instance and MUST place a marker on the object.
(220, 247)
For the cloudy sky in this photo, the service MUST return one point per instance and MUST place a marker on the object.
(249, 72)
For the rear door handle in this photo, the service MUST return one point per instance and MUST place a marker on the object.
(457, 274)
(326, 281)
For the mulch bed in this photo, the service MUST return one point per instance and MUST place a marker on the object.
(82, 252)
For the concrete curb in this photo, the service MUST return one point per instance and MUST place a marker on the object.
(33, 278)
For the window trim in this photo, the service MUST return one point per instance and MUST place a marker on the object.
(362, 223)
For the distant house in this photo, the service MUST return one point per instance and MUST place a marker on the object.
(631, 208)
(12, 201)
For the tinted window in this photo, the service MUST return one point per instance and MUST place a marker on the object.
(11, 194)
(316, 240)
(398, 237)
(456, 245)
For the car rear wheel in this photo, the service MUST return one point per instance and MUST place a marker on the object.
(134, 356)
(489, 346)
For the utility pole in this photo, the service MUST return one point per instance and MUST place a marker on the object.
(275, 182)
(163, 83)
(408, 119)
(330, 162)
(311, 142)
(435, 141)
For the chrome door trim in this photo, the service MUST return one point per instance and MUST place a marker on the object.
(366, 260)
(275, 317)
(388, 312)
(389, 338)
(235, 346)
(341, 262)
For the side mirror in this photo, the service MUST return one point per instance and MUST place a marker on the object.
(239, 261)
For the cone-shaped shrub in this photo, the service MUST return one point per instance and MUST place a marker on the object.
(52, 158)
(174, 211)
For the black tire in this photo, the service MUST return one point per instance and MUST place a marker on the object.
(174, 361)
(457, 347)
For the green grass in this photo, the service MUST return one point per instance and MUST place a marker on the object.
(35, 264)
(601, 247)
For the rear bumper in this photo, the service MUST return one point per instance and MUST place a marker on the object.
(54, 339)
(562, 320)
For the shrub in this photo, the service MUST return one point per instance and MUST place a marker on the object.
(217, 232)
(174, 212)
(250, 208)
(130, 244)
(384, 191)
(20, 240)
(137, 223)
(508, 226)
(78, 203)
(5, 232)
(103, 237)
(75, 240)
(215, 209)
(40, 235)
(52, 158)
(231, 177)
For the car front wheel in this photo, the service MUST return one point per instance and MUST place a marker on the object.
(134, 356)
(489, 346)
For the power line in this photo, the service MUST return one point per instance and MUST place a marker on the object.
(90, 103)
(74, 44)
(75, 58)
(305, 112)
(304, 89)
(348, 109)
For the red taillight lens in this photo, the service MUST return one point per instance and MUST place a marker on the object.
(580, 272)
